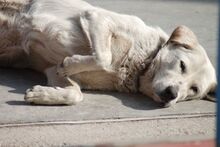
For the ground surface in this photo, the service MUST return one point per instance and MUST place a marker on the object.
(112, 117)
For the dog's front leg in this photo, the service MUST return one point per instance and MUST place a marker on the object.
(97, 31)
(78, 63)
(54, 95)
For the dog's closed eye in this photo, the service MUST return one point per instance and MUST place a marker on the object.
(194, 89)
(183, 67)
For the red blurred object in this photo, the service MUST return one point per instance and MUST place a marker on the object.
(204, 143)
(207, 143)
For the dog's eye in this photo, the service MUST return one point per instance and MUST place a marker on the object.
(194, 89)
(182, 66)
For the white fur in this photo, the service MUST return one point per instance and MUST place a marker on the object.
(100, 50)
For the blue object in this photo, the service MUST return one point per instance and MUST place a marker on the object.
(218, 88)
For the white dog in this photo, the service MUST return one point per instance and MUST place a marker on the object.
(79, 46)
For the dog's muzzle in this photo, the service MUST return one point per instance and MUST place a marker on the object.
(168, 94)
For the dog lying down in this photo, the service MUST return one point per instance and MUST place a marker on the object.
(79, 46)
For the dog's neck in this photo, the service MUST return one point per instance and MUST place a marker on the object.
(136, 63)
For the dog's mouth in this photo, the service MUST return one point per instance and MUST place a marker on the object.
(168, 104)
(163, 103)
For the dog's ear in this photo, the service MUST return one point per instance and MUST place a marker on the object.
(183, 36)
(211, 95)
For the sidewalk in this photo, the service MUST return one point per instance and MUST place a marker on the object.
(114, 118)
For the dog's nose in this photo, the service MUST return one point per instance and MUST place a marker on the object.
(170, 93)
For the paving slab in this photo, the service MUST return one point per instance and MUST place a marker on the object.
(117, 133)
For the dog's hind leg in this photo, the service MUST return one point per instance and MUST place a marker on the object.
(11, 52)
(66, 94)
(13, 57)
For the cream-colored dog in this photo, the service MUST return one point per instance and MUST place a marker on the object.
(79, 46)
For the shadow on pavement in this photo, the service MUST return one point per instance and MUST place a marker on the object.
(18, 103)
(20, 80)
(135, 101)
(23, 103)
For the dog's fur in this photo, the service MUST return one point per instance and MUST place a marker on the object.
(79, 46)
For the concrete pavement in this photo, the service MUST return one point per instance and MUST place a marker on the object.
(112, 117)
(116, 133)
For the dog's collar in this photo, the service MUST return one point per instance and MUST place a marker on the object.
(130, 70)
(148, 62)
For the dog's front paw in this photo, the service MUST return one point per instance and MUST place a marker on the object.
(34, 95)
(63, 69)
(53, 95)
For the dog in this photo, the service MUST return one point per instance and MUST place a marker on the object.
(80, 46)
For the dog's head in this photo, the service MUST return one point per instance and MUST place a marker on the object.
(180, 71)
